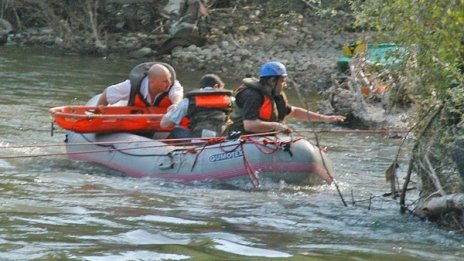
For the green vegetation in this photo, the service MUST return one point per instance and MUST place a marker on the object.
(433, 78)
(433, 31)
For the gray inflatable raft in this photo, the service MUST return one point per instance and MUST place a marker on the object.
(246, 160)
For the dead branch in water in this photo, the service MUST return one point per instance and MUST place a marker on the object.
(413, 157)
(433, 175)
(436, 208)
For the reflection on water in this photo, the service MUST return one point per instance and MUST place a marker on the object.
(53, 208)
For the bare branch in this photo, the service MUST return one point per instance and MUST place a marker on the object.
(310, 5)
(433, 175)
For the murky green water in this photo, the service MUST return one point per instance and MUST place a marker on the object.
(52, 208)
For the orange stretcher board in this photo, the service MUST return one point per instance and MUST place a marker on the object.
(100, 119)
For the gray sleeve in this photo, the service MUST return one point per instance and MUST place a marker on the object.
(179, 112)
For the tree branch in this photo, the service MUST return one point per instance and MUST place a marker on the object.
(414, 150)
(433, 176)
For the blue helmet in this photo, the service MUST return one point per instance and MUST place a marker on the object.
(270, 69)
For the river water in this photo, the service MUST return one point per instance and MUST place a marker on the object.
(52, 208)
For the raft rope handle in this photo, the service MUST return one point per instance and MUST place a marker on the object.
(254, 179)
(279, 144)
(260, 145)
(82, 152)
(197, 155)
(132, 154)
(167, 141)
(189, 139)
(102, 144)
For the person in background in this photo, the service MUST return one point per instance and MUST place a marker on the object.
(149, 84)
(261, 105)
(206, 110)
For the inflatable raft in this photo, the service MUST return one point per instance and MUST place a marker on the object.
(250, 159)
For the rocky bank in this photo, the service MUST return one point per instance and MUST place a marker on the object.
(239, 43)
(240, 40)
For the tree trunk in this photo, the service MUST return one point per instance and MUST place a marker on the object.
(436, 207)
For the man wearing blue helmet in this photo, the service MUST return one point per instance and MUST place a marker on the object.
(261, 105)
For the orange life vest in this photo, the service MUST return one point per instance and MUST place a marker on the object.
(266, 111)
(272, 108)
(207, 106)
(210, 99)
(162, 101)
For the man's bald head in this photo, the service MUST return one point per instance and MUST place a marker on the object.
(157, 70)
(160, 78)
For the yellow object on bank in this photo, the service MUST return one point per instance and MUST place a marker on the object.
(354, 48)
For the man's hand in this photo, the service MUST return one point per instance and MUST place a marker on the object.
(334, 118)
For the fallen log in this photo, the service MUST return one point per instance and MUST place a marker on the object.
(436, 207)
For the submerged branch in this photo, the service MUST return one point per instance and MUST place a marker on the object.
(414, 151)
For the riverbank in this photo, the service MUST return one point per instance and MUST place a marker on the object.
(307, 44)
(239, 42)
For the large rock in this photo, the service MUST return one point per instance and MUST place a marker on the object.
(142, 52)
(182, 38)
(5, 29)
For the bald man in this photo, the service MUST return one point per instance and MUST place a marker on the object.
(149, 84)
